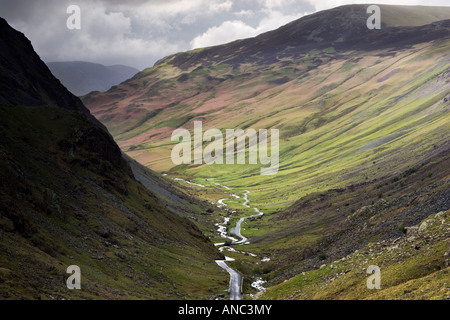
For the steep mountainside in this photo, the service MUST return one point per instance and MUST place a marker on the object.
(363, 120)
(68, 197)
(82, 77)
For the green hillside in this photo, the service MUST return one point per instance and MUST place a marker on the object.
(339, 109)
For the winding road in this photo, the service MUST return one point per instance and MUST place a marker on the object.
(235, 277)
(235, 287)
(235, 280)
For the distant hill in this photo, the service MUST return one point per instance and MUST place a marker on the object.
(82, 77)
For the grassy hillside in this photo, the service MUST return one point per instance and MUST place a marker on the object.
(62, 204)
(68, 197)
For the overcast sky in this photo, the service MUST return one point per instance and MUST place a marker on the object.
(138, 33)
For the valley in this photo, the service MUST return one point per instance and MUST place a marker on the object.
(363, 122)
(362, 156)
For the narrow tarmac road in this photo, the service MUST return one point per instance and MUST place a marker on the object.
(235, 280)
